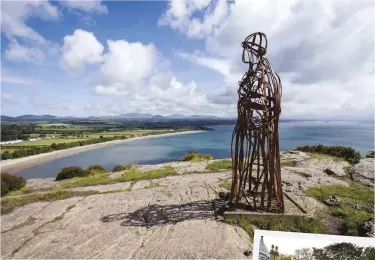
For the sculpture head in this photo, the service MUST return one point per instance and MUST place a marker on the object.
(255, 45)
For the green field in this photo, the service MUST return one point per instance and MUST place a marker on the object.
(79, 136)
(34, 135)
(67, 129)
(11, 150)
(48, 142)
(125, 133)
(51, 124)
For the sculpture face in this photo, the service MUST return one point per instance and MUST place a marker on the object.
(255, 142)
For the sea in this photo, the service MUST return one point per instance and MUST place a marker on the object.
(358, 135)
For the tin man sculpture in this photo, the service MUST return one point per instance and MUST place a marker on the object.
(255, 139)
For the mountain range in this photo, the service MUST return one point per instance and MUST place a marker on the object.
(129, 116)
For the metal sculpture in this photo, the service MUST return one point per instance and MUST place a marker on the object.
(255, 139)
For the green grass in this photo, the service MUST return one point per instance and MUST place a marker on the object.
(125, 167)
(226, 185)
(52, 125)
(219, 165)
(135, 175)
(288, 164)
(10, 150)
(325, 156)
(70, 207)
(128, 133)
(242, 222)
(114, 191)
(91, 180)
(65, 129)
(9, 203)
(21, 191)
(277, 223)
(153, 185)
(196, 157)
(56, 219)
(34, 135)
(132, 175)
(49, 141)
(354, 194)
(345, 153)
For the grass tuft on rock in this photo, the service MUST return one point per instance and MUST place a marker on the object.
(134, 175)
(71, 172)
(355, 203)
(196, 157)
(91, 180)
(131, 175)
(154, 185)
(119, 168)
(56, 218)
(347, 153)
(95, 169)
(9, 203)
(70, 207)
(21, 191)
(11, 183)
(288, 164)
(219, 165)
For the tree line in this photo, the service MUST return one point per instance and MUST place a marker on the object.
(336, 251)
(15, 132)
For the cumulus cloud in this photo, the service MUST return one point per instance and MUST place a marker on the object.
(15, 13)
(92, 6)
(79, 49)
(321, 50)
(175, 97)
(180, 16)
(138, 74)
(128, 63)
(26, 44)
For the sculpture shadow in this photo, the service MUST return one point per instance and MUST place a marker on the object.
(156, 215)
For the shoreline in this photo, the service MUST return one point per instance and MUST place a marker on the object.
(15, 165)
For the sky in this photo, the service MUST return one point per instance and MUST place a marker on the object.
(288, 242)
(104, 58)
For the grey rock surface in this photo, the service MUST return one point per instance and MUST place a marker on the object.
(364, 171)
(367, 229)
(335, 165)
(170, 222)
(167, 218)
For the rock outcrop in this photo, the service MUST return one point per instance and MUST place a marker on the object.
(364, 171)
(367, 229)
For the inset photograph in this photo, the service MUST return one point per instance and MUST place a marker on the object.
(276, 245)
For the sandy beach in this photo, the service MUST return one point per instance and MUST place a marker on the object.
(16, 165)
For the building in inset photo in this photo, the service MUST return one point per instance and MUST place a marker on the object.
(264, 254)
(276, 245)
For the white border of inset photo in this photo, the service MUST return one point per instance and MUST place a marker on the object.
(288, 242)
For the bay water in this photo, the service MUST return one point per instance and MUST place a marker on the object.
(359, 135)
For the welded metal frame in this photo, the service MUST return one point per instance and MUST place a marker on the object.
(255, 140)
